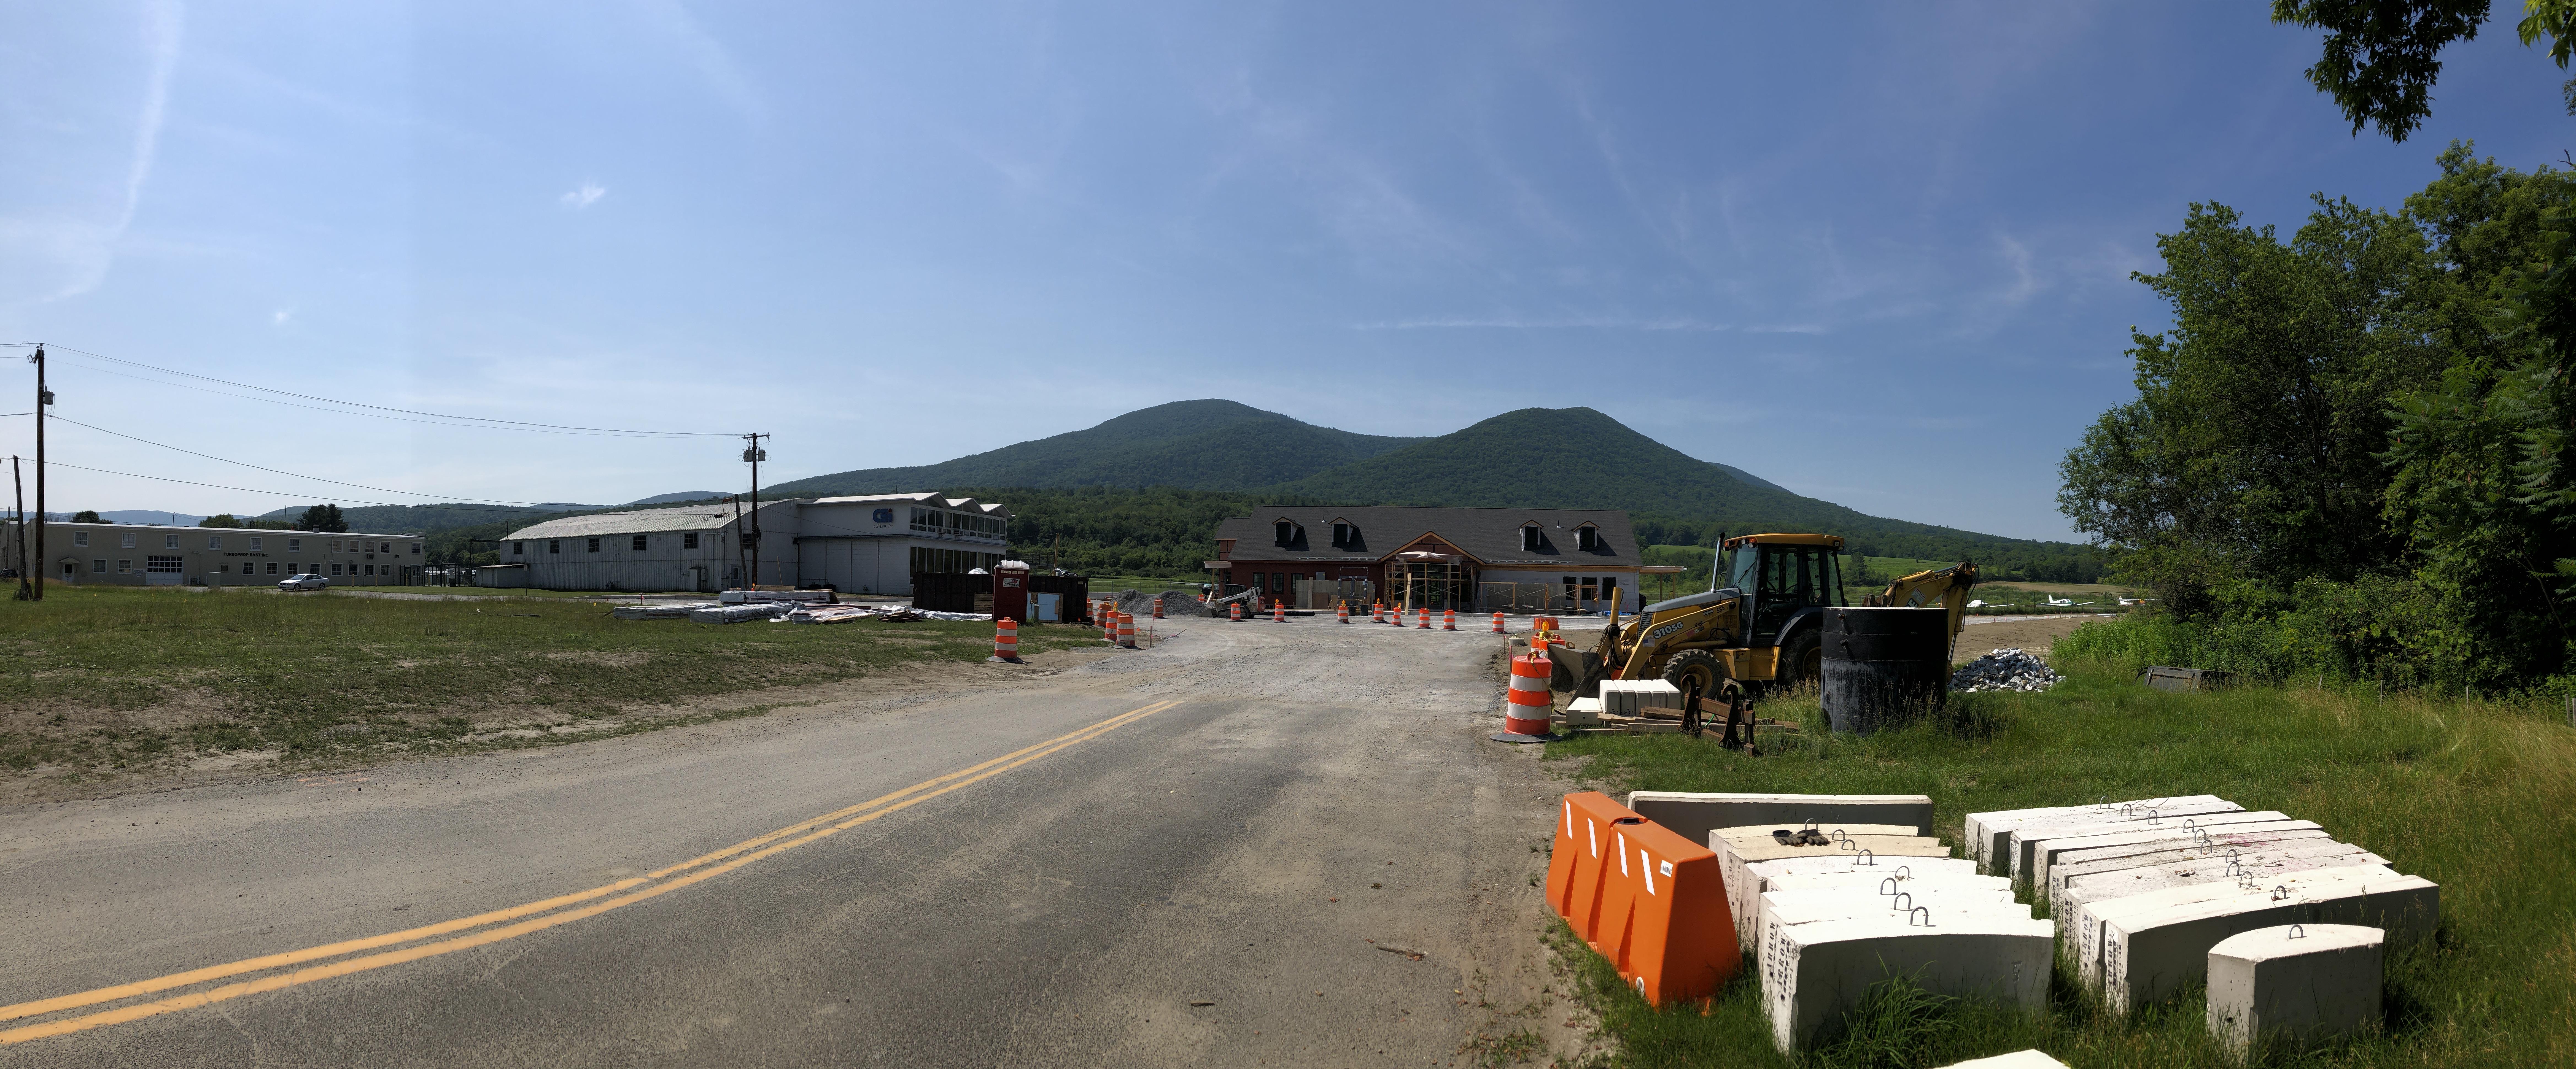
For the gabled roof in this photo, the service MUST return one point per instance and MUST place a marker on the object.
(700, 517)
(1490, 535)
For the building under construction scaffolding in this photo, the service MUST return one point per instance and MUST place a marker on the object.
(1525, 560)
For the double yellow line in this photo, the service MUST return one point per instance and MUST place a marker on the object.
(481, 930)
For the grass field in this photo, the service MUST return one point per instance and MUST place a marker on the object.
(107, 679)
(2478, 798)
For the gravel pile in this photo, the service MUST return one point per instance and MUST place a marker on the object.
(2008, 669)
(1175, 603)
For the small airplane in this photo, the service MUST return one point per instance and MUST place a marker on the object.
(1984, 604)
(2067, 603)
(2133, 601)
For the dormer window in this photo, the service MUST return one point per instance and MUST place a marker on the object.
(1285, 531)
(1344, 534)
(1587, 538)
(1531, 535)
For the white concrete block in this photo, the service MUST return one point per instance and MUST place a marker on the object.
(1944, 906)
(2023, 839)
(2212, 826)
(2139, 855)
(1815, 974)
(1753, 832)
(1692, 815)
(1852, 853)
(2089, 917)
(2246, 865)
(1624, 697)
(2020, 1059)
(2267, 987)
(1990, 832)
(1745, 885)
(2147, 956)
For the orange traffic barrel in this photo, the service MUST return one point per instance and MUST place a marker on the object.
(1448, 619)
(1342, 612)
(1006, 639)
(1426, 618)
(1234, 611)
(1498, 621)
(1158, 608)
(1127, 629)
(1525, 716)
(1278, 610)
(1109, 621)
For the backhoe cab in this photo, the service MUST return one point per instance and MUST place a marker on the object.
(1761, 621)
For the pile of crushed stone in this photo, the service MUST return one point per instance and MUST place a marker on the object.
(1175, 603)
(2006, 669)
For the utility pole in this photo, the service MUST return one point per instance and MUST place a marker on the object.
(20, 543)
(44, 397)
(755, 454)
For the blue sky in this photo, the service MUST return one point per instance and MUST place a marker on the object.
(1877, 253)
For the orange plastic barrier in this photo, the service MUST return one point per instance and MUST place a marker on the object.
(1426, 618)
(1158, 608)
(1377, 610)
(1342, 610)
(1448, 619)
(1006, 639)
(1278, 611)
(1109, 622)
(1127, 629)
(1235, 611)
(1498, 622)
(1651, 901)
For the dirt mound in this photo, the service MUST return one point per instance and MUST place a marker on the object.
(1175, 603)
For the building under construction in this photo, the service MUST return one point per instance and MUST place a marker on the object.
(1529, 560)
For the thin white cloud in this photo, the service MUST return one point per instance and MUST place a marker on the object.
(584, 197)
(713, 62)
(1508, 323)
(279, 317)
(88, 249)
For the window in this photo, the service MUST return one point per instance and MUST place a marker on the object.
(594, 545)
(371, 569)
(295, 545)
(384, 547)
(80, 538)
(169, 541)
(127, 542)
(214, 541)
(335, 569)
(1530, 536)
(335, 545)
(163, 565)
(689, 540)
(272, 567)
(639, 543)
(255, 543)
(554, 545)
(518, 549)
(415, 549)
(1587, 538)
(1278, 584)
(98, 567)
(1345, 534)
(293, 568)
(124, 566)
(1283, 532)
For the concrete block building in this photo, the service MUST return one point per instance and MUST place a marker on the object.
(134, 554)
(860, 545)
(1539, 560)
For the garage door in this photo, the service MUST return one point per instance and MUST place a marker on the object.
(161, 571)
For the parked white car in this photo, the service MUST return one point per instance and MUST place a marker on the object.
(307, 581)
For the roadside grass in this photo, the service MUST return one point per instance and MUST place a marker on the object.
(110, 679)
(2478, 797)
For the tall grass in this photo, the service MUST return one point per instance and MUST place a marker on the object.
(2479, 797)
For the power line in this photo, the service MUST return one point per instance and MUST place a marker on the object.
(479, 421)
(346, 412)
(251, 490)
(272, 471)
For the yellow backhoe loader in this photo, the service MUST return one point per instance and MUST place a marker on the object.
(1761, 621)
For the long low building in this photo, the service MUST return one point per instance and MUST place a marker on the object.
(1437, 558)
(860, 545)
(134, 554)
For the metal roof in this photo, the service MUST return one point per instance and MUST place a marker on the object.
(641, 521)
(1492, 536)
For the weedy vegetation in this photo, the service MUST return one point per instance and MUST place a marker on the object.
(2477, 795)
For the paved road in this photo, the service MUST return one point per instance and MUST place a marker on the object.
(1256, 844)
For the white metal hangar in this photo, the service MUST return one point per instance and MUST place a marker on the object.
(136, 554)
(859, 545)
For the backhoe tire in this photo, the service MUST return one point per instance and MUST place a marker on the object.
(1803, 660)
(1693, 667)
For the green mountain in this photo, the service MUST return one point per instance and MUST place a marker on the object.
(1194, 445)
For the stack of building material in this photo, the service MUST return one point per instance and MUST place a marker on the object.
(740, 597)
(1830, 909)
(658, 612)
(826, 614)
(734, 614)
(2140, 891)
(1632, 697)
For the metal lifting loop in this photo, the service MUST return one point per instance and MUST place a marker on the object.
(1905, 872)
(1908, 904)
(1864, 858)
(1810, 825)
(1887, 886)
(1926, 911)
(2298, 931)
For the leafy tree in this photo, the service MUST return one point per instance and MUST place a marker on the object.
(221, 519)
(87, 516)
(2381, 60)
(324, 518)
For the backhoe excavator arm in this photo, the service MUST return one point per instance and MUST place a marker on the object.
(1945, 587)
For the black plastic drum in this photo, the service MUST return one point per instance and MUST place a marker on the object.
(1884, 666)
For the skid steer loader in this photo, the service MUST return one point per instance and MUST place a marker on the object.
(1760, 623)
